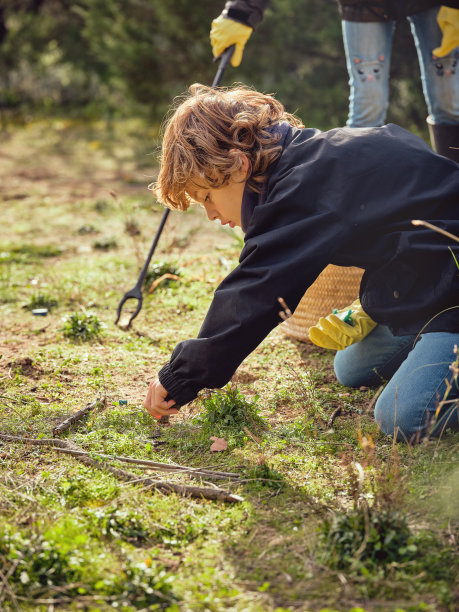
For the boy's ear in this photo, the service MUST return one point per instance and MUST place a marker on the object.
(245, 164)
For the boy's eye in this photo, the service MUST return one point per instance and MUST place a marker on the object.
(207, 198)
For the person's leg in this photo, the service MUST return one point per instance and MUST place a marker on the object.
(440, 76)
(373, 360)
(368, 48)
(440, 83)
(407, 407)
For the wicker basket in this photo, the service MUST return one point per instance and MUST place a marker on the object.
(335, 287)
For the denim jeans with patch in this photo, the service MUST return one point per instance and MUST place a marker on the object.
(368, 51)
(416, 371)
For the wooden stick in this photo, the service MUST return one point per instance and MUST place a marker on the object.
(155, 466)
(166, 467)
(161, 485)
(76, 416)
(335, 414)
(374, 399)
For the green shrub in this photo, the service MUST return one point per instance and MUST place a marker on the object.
(37, 568)
(123, 524)
(79, 489)
(143, 586)
(37, 565)
(229, 410)
(82, 327)
(262, 476)
(366, 537)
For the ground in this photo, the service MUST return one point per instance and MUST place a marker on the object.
(77, 222)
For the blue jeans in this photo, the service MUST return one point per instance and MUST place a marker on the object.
(407, 406)
(368, 50)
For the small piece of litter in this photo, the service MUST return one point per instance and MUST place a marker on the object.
(122, 402)
(40, 312)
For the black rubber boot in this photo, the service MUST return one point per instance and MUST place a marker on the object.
(444, 139)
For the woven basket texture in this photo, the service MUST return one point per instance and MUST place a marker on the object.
(335, 287)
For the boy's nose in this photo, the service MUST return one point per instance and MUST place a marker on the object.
(211, 214)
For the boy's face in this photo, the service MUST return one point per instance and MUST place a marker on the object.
(224, 203)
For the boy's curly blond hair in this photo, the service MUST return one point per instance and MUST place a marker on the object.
(206, 134)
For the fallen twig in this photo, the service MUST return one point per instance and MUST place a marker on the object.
(167, 467)
(76, 416)
(374, 399)
(161, 485)
(167, 276)
(252, 436)
(5, 587)
(335, 414)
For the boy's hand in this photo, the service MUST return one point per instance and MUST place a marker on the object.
(155, 403)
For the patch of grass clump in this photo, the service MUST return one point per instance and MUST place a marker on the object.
(33, 565)
(28, 253)
(366, 537)
(123, 524)
(262, 476)
(82, 327)
(41, 300)
(228, 409)
(80, 489)
(37, 568)
(105, 245)
(87, 229)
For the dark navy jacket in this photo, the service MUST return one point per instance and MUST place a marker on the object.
(345, 197)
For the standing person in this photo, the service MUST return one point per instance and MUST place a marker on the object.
(368, 28)
(299, 196)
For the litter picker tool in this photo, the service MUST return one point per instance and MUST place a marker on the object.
(136, 292)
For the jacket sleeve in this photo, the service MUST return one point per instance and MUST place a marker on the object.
(281, 260)
(248, 12)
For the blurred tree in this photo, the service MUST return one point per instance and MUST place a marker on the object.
(132, 56)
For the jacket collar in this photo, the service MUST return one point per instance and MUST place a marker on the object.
(252, 199)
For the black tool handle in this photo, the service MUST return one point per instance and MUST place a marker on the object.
(225, 59)
(136, 291)
(143, 272)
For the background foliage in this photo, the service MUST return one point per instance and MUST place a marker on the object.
(131, 57)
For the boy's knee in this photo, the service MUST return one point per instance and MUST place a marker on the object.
(351, 371)
(346, 376)
(400, 422)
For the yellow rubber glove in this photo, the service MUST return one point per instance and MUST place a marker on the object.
(448, 20)
(342, 328)
(226, 32)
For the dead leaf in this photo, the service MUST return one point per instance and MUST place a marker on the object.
(219, 444)
(159, 280)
